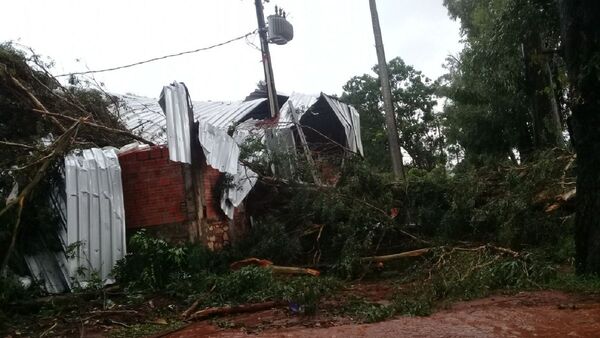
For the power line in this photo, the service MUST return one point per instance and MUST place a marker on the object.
(161, 57)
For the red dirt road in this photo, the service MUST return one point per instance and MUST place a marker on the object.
(530, 314)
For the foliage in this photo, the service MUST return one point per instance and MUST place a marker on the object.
(498, 202)
(191, 272)
(455, 273)
(493, 84)
(270, 238)
(414, 101)
(306, 292)
(365, 311)
(151, 263)
(26, 134)
(570, 282)
(248, 284)
(11, 289)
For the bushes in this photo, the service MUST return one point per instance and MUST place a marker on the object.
(306, 292)
(192, 272)
(456, 273)
(272, 239)
(152, 264)
(503, 203)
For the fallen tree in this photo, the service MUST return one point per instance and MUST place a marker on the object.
(40, 121)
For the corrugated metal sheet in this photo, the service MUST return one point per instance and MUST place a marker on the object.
(144, 116)
(349, 120)
(51, 268)
(224, 114)
(220, 149)
(95, 212)
(242, 183)
(174, 101)
(300, 102)
(356, 125)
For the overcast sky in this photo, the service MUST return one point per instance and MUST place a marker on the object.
(333, 41)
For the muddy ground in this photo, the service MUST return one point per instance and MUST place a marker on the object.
(527, 314)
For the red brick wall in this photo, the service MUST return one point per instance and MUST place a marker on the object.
(154, 198)
(153, 188)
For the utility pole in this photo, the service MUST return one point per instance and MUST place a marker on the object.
(388, 106)
(266, 59)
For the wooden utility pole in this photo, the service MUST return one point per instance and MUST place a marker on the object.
(266, 59)
(388, 106)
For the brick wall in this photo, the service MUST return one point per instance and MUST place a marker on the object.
(153, 189)
(215, 228)
(155, 198)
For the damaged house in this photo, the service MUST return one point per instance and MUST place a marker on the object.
(177, 189)
(191, 185)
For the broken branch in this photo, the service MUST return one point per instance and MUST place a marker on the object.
(60, 146)
(98, 126)
(13, 144)
(290, 270)
(227, 310)
(36, 102)
(413, 253)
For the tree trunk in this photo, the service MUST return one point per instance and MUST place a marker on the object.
(547, 129)
(581, 43)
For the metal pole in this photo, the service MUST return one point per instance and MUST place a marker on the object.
(390, 118)
(266, 59)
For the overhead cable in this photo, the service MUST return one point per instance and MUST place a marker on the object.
(160, 57)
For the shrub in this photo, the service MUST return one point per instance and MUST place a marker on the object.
(151, 263)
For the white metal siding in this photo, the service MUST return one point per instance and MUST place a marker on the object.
(174, 102)
(95, 212)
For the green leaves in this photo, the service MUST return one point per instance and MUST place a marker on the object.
(414, 101)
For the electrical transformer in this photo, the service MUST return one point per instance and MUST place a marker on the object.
(280, 30)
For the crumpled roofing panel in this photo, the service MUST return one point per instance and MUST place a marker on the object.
(300, 102)
(350, 120)
(224, 114)
(221, 150)
(174, 102)
(144, 116)
(242, 183)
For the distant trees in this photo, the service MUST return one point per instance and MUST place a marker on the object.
(529, 71)
(506, 87)
(414, 98)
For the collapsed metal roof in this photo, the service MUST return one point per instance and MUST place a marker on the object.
(216, 119)
(144, 115)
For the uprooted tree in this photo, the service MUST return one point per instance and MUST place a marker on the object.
(40, 121)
